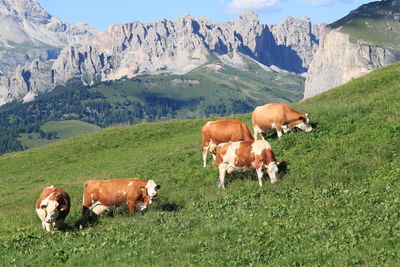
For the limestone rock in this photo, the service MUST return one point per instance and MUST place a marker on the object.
(179, 46)
(338, 60)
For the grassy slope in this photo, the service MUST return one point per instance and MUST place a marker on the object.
(373, 24)
(337, 204)
(65, 129)
(201, 87)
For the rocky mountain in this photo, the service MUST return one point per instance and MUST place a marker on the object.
(29, 32)
(171, 47)
(366, 39)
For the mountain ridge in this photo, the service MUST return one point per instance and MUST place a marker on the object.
(168, 47)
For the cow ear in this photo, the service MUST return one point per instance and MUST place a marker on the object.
(63, 203)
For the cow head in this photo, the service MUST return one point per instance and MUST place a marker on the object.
(52, 208)
(304, 123)
(152, 188)
(272, 170)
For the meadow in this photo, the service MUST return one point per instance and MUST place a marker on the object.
(336, 205)
(62, 129)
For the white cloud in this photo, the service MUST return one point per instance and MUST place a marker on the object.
(237, 6)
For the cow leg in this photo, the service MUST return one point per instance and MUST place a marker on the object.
(258, 132)
(47, 226)
(260, 175)
(131, 205)
(222, 172)
(44, 225)
(278, 128)
(205, 150)
(255, 133)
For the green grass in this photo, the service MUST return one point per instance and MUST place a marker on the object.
(337, 204)
(64, 129)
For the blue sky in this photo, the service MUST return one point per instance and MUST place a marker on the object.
(103, 13)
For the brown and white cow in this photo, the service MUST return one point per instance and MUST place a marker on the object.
(280, 117)
(222, 131)
(246, 155)
(102, 195)
(52, 207)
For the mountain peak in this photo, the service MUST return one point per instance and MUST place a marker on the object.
(27, 9)
(248, 17)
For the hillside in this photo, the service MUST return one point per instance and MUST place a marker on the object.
(54, 131)
(212, 90)
(337, 204)
(375, 23)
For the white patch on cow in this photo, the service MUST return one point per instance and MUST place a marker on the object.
(222, 171)
(260, 176)
(211, 146)
(285, 129)
(51, 186)
(258, 146)
(100, 209)
(272, 170)
(273, 126)
(151, 188)
(131, 183)
(41, 213)
(47, 226)
(52, 211)
(305, 127)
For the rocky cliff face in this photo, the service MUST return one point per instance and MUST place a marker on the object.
(28, 32)
(364, 40)
(173, 47)
(338, 60)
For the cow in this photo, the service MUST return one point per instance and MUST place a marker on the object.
(222, 131)
(102, 195)
(52, 207)
(280, 117)
(246, 155)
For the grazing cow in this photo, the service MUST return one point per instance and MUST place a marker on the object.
(52, 207)
(280, 117)
(102, 195)
(246, 155)
(222, 131)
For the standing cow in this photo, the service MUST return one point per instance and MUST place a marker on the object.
(222, 131)
(246, 155)
(102, 195)
(52, 207)
(280, 117)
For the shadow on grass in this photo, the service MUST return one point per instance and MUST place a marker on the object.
(171, 207)
(85, 222)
